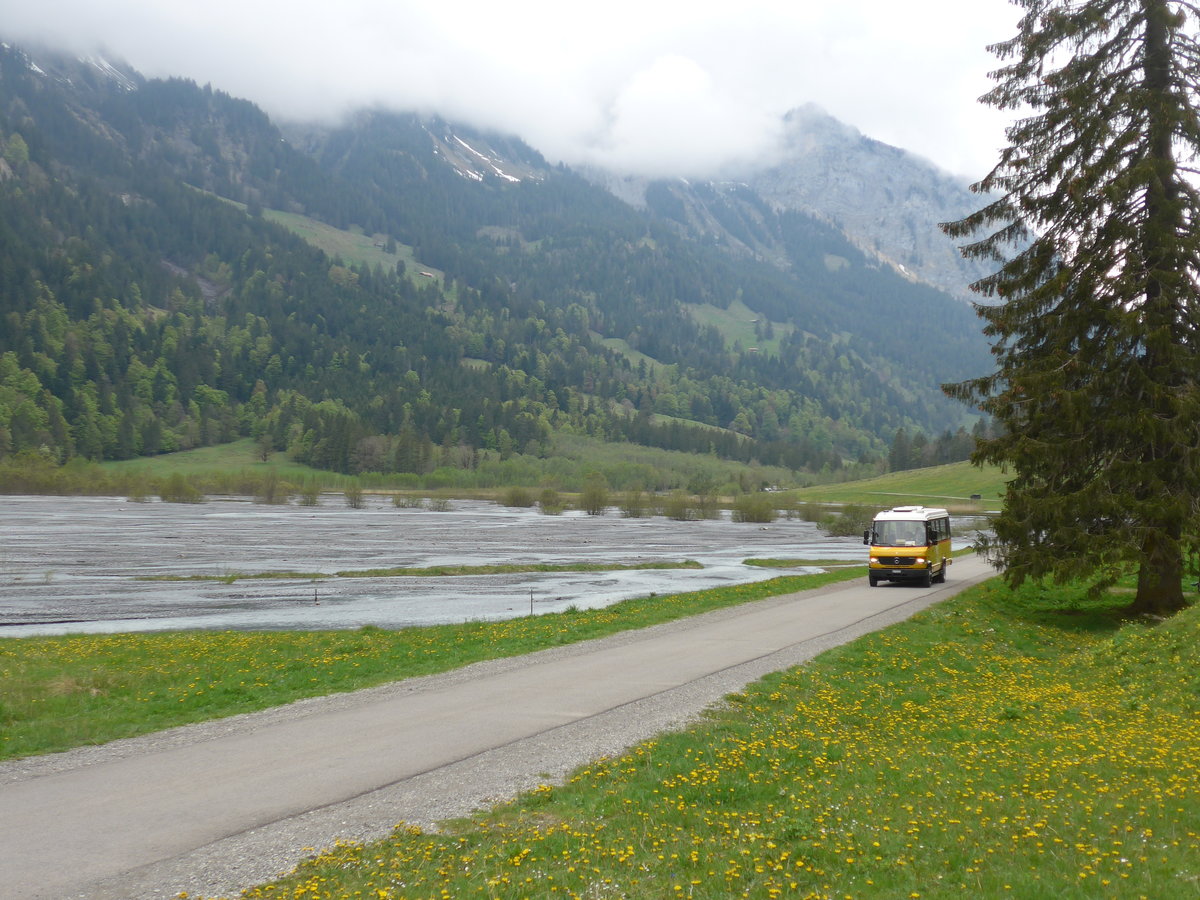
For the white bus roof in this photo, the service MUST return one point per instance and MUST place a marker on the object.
(911, 513)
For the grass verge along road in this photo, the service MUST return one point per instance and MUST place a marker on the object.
(999, 744)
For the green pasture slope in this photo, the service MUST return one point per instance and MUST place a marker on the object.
(236, 456)
(351, 246)
(951, 486)
(625, 466)
(739, 324)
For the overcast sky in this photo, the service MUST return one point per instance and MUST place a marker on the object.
(645, 86)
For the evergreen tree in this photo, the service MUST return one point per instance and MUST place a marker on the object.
(900, 456)
(1094, 225)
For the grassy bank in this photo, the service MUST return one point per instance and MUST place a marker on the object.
(237, 468)
(951, 486)
(624, 467)
(62, 692)
(989, 747)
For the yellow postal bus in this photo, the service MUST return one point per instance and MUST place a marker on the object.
(909, 543)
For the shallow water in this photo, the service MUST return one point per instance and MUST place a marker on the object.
(75, 564)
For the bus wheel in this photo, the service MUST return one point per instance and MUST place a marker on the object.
(872, 580)
(927, 578)
(941, 578)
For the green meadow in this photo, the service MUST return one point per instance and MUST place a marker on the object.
(952, 486)
(236, 467)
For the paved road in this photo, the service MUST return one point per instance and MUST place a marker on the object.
(216, 807)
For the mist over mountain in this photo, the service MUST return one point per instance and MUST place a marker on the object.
(885, 201)
(402, 293)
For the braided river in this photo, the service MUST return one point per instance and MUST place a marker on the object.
(94, 564)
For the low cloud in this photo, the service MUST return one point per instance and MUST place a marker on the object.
(654, 88)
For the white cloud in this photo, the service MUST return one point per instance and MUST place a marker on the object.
(654, 86)
(673, 118)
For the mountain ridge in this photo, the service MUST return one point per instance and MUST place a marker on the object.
(492, 358)
(886, 201)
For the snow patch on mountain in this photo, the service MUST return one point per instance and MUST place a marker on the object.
(477, 160)
(110, 71)
(489, 161)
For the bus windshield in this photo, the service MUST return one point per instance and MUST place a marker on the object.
(900, 534)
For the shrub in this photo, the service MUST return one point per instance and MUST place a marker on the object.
(852, 519)
(550, 502)
(633, 505)
(678, 506)
(708, 505)
(176, 489)
(272, 489)
(812, 511)
(518, 497)
(754, 508)
(311, 492)
(594, 499)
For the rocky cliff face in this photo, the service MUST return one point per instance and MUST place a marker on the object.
(887, 201)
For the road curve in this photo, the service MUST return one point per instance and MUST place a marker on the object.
(216, 807)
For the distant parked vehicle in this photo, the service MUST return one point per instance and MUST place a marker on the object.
(909, 543)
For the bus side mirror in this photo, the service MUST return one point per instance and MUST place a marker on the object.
(866, 537)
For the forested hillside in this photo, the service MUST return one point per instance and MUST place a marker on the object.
(149, 305)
